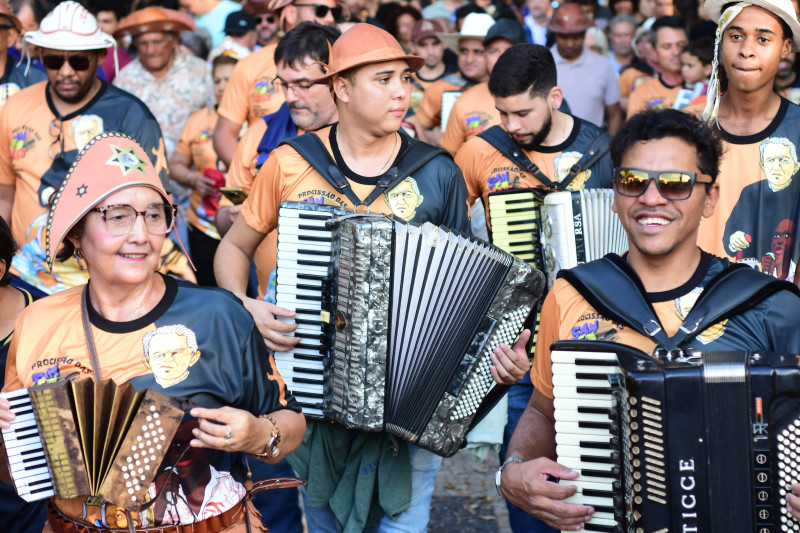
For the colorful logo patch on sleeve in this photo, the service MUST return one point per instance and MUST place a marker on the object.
(22, 141)
(263, 90)
(476, 122)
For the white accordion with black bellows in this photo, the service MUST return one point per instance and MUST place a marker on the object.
(397, 321)
(556, 230)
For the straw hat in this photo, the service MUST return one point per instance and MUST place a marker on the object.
(475, 26)
(69, 27)
(110, 162)
(152, 19)
(364, 44)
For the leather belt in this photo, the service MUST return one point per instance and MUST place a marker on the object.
(62, 523)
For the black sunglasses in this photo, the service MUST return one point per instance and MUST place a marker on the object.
(269, 19)
(672, 184)
(321, 11)
(76, 63)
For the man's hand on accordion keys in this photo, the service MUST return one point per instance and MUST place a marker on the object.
(527, 486)
(6, 416)
(511, 364)
(268, 321)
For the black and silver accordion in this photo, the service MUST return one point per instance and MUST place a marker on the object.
(555, 230)
(397, 321)
(85, 438)
(700, 442)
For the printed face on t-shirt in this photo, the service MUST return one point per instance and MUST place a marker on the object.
(779, 162)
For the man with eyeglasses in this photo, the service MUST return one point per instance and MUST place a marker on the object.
(666, 171)
(45, 125)
(309, 106)
(250, 93)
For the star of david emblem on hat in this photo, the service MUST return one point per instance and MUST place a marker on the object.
(126, 159)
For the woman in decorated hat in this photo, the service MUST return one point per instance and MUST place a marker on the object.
(111, 213)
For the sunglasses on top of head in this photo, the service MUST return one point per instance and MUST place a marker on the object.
(321, 11)
(672, 184)
(77, 63)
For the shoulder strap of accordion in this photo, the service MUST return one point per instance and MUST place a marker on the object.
(603, 282)
(310, 146)
(497, 137)
(599, 148)
(731, 292)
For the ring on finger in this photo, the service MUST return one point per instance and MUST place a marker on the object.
(228, 435)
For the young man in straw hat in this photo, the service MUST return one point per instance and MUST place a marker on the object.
(757, 214)
(250, 93)
(44, 126)
(370, 76)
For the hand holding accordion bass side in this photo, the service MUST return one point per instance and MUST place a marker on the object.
(510, 364)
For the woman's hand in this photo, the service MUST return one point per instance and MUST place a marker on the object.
(229, 429)
(511, 364)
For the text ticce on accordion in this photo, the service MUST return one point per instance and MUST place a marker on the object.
(700, 442)
(397, 321)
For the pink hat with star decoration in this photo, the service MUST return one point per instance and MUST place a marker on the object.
(110, 162)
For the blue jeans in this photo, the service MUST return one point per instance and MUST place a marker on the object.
(518, 397)
(424, 466)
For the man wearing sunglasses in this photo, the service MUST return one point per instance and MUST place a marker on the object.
(523, 83)
(667, 166)
(250, 93)
(266, 22)
(44, 126)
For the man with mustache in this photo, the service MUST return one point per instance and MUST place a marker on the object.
(527, 97)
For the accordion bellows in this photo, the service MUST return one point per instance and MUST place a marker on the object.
(397, 321)
(419, 310)
(96, 439)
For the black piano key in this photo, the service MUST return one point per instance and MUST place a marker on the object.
(596, 362)
(307, 381)
(595, 425)
(599, 527)
(595, 410)
(595, 459)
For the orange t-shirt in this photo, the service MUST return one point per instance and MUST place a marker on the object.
(653, 94)
(630, 79)
(250, 93)
(429, 110)
(487, 170)
(472, 113)
(196, 142)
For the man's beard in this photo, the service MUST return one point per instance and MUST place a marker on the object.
(541, 135)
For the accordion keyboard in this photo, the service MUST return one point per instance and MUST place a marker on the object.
(304, 253)
(26, 456)
(585, 431)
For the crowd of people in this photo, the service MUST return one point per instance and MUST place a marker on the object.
(179, 111)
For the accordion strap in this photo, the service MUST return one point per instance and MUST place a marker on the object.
(87, 331)
(599, 148)
(612, 287)
(497, 137)
(311, 147)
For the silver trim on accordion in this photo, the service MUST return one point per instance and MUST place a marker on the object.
(703, 443)
(410, 316)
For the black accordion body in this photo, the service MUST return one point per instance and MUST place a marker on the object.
(400, 329)
(699, 442)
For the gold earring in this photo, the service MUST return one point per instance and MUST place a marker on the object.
(78, 255)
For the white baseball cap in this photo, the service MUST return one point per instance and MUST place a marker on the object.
(475, 26)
